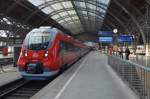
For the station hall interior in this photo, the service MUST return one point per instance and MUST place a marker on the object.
(74, 49)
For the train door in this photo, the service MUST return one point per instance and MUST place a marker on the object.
(63, 54)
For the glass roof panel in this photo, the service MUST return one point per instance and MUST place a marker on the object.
(72, 12)
(84, 12)
(7, 21)
(98, 17)
(47, 10)
(74, 16)
(71, 22)
(82, 4)
(90, 6)
(48, 0)
(55, 17)
(104, 1)
(37, 3)
(61, 21)
(68, 19)
(3, 33)
(91, 14)
(57, 6)
(101, 10)
(85, 17)
(63, 14)
(67, 4)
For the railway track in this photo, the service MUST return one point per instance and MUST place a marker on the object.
(21, 89)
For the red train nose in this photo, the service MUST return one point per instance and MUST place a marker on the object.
(34, 68)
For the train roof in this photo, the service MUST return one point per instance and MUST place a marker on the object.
(45, 29)
(50, 29)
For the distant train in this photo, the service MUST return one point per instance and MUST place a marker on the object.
(46, 51)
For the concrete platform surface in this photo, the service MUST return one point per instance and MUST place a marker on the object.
(92, 78)
(8, 77)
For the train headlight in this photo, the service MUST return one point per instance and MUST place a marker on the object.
(25, 53)
(46, 54)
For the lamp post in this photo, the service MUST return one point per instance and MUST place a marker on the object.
(134, 43)
(115, 38)
(115, 41)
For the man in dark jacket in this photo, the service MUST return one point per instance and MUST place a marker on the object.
(120, 52)
(127, 52)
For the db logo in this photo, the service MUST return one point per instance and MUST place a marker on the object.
(35, 55)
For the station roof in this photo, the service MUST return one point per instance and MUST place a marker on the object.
(18, 17)
(75, 15)
(129, 17)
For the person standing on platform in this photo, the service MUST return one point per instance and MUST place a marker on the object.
(110, 51)
(115, 50)
(120, 52)
(127, 52)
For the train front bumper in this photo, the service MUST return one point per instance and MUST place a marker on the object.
(44, 76)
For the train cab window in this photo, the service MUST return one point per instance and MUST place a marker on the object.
(39, 39)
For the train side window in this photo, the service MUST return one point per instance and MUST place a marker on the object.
(70, 47)
(63, 48)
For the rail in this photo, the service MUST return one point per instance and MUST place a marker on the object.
(135, 75)
(22, 89)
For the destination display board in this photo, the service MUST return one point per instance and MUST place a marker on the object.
(105, 39)
(125, 38)
(105, 33)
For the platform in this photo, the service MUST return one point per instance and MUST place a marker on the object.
(8, 77)
(90, 78)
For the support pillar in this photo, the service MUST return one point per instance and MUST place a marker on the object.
(147, 30)
(147, 49)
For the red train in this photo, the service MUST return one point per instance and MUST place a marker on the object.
(46, 51)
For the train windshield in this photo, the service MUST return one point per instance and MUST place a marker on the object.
(39, 40)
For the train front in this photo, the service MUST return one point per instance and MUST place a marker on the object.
(36, 56)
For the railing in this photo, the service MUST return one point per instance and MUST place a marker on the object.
(136, 76)
(142, 60)
(5, 62)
